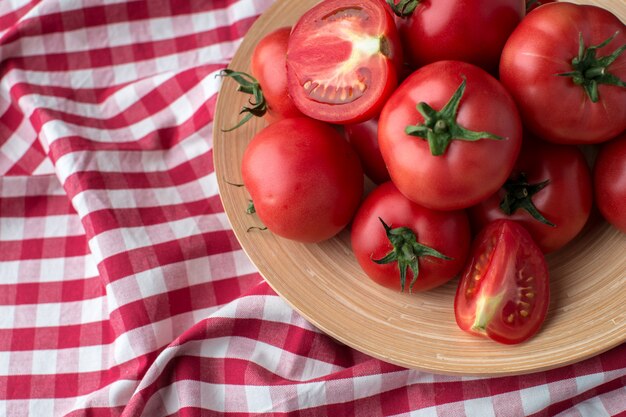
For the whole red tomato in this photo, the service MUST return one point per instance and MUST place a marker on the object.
(304, 179)
(609, 179)
(449, 135)
(549, 193)
(342, 60)
(268, 66)
(364, 139)
(268, 83)
(473, 31)
(402, 245)
(504, 290)
(565, 67)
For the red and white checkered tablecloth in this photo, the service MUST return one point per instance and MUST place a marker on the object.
(123, 290)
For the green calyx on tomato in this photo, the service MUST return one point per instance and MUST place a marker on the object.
(406, 251)
(250, 209)
(589, 70)
(404, 8)
(440, 128)
(249, 85)
(533, 4)
(519, 195)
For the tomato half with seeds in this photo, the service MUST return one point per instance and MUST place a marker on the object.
(342, 60)
(406, 247)
(504, 291)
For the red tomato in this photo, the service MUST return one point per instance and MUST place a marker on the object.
(305, 180)
(609, 178)
(556, 66)
(432, 245)
(364, 139)
(503, 293)
(268, 83)
(342, 59)
(473, 31)
(268, 66)
(549, 193)
(444, 172)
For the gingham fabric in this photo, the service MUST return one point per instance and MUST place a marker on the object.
(123, 290)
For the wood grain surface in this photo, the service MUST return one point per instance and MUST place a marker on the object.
(324, 283)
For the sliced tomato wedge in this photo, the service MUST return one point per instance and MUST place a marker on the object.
(504, 291)
(342, 60)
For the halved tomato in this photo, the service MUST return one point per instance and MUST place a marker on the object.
(342, 60)
(504, 291)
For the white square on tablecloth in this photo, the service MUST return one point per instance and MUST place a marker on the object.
(44, 362)
(534, 399)
(479, 407)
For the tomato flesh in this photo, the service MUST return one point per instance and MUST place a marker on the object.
(341, 61)
(504, 292)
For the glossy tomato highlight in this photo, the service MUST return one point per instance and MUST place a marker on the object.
(504, 290)
(342, 60)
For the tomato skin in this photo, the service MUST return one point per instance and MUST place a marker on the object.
(565, 201)
(268, 66)
(364, 139)
(552, 106)
(342, 60)
(504, 291)
(444, 182)
(446, 232)
(304, 179)
(472, 31)
(609, 178)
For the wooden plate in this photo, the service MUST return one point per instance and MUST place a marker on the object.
(324, 283)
